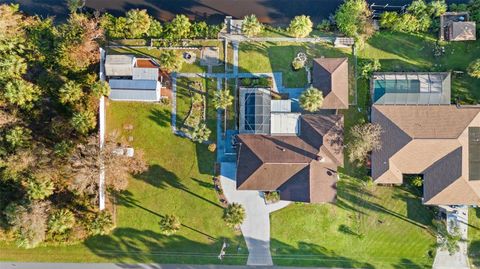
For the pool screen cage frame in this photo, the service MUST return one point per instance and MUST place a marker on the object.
(434, 88)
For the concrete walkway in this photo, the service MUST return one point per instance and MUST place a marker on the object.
(174, 102)
(242, 38)
(28, 265)
(256, 227)
(459, 260)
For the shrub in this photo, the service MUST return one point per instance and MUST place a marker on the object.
(212, 147)
(169, 224)
(200, 133)
(247, 82)
(324, 26)
(251, 26)
(272, 196)
(234, 215)
(417, 181)
(264, 82)
(367, 67)
(99, 223)
(297, 64)
(300, 26)
(311, 99)
(474, 69)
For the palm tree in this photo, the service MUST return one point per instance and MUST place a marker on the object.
(83, 121)
(101, 223)
(12, 66)
(200, 133)
(221, 100)
(251, 26)
(61, 221)
(474, 69)
(169, 224)
(70, 93)
(18, 137)
(171, 61)
(234, 214)
(300, 26)
(311, 99)
(39, 189)
(21, 93)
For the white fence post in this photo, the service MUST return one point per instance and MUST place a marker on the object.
(101, 116)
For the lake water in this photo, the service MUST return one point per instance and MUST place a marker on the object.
(277, 12)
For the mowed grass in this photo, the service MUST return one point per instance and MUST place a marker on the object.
(367, 227)
(267, 57)
(178, 181)
(474, 236)
(407, 52)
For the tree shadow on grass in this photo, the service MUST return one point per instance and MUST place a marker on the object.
(160, 177)
(308, 254)
(160, 116)
(352, 197)
(129, 246)
(474, 252)
(126, 199)
(409, 264)
(415, 209)
(415, 51)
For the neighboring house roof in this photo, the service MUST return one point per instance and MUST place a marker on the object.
(462, 30)
(302, 168)
(330, 75)
(145, 73)
(145, 69)
(119, 65)
(134, 90)
(431, 140)
(411, 88)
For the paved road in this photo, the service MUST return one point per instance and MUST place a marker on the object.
(9, 265)
(256, 227)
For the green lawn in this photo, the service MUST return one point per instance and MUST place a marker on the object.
(277, 57)
(474, 236)
(404, 52)
(178, 181)
(367, 227)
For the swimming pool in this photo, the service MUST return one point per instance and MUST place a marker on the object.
(381, 87)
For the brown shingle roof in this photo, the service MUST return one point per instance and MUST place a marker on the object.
(290, 163)
(330, 75)
(428, 140)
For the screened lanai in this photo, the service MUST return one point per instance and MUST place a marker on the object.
(254, 110)
(410, 88)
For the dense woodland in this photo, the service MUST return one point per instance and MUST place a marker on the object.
(49, 152)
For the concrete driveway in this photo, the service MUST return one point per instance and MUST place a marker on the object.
(458, 260)
(256, 227)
